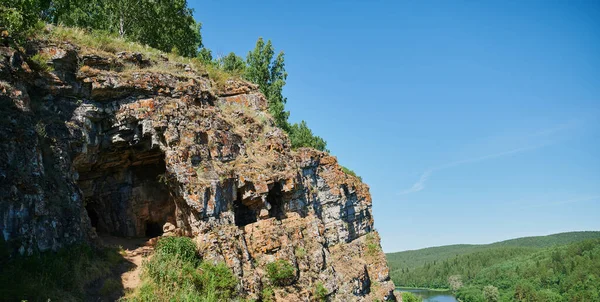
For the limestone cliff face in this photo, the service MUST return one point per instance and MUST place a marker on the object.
(130, 145)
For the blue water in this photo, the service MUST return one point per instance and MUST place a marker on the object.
(429, 295)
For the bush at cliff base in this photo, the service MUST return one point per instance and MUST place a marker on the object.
(176, 273)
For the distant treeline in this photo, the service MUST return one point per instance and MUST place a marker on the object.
(526, 269)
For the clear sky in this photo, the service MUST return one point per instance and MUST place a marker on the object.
(472, 121)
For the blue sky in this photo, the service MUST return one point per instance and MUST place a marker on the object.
(472, 121)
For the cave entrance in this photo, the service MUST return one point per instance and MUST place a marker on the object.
(126, 195)
(275, 199)
(153, 229)
(92, 215)
(243, 214)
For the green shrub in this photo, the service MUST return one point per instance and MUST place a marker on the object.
(182, 247)
(39, 62)
(20, 17)
(350, 172)
(302, 136)
(320, 292)
(281, 272)
(267, 294)
(175, 273)
(217, 280)
(410, 297)
(373, 247)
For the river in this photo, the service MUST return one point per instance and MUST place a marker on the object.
(430, 295)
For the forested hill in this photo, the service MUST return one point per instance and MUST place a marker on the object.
(560, 267)
(417, 258)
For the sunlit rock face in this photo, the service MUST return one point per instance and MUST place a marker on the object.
(132, 145)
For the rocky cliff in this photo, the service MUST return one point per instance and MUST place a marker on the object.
(138, 145)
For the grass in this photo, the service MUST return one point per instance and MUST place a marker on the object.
(320, 292)
(350, 172)
(106, 44)
(40, 62)
(267, 294)
(176, 273)
(372, 244)
(410, 297)
(300, 252)
(61, 276)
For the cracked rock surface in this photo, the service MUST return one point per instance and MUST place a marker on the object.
(133, 146)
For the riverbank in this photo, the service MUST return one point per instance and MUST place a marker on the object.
(424, 288)
(429, 295)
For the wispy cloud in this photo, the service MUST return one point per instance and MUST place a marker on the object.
(545, 134)
(420, 184)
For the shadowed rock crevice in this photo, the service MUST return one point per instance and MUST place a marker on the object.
(275, 200)
(243, 214)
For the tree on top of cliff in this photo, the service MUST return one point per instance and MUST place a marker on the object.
(302, 136)
(233, 63)
(269, 73)
(18, 17)
(167, 25)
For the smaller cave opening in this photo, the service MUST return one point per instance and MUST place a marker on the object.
(275, 199)
(153, 229)
(93, 216)
(243, 214)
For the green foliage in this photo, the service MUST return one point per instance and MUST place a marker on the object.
(21, 17)
(162, 24)
(350, 172)
(167, 25)
(470, 294)
(205, 55)
(302, 136)
(267, 294)
(491, 294)
(281, 272)
(233, 64)
(61, 276)
(269, 73)
(40, 62)
(410, 297)
(430, 267)
(556, 273)
(176, 273)
(320, 292)
(180, 247)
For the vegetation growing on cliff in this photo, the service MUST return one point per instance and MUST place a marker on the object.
(167, 26)
(68, 275)
(176, 273)
(281, 272)
(535, 271)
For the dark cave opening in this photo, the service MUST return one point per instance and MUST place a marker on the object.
(275, 199)
(153, 229)
(243, 214)
(92, 215)
(126, 195)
